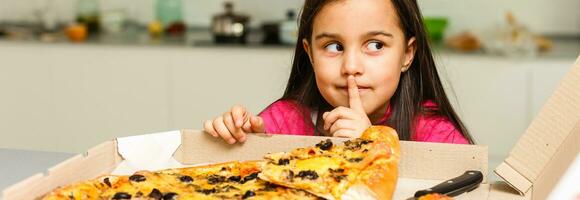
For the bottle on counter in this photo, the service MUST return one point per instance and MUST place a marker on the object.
(289, 28)
(87, 13)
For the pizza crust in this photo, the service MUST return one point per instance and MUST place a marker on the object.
(381, 176)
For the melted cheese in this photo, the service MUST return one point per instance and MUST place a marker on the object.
(317, 164)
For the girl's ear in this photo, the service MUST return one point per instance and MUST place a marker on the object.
(409, 54)
(306, 47)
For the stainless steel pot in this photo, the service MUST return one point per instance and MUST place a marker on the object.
(229, 27)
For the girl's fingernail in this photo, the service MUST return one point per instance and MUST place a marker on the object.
(231, 141)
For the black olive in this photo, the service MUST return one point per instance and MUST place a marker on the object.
(170, 196)
(325, 145)
(137, 178)
(207, 191)
(339, 178)
(308, 174)
(251, 177)
(248, 194)
(106, 180)
(227, 188)
(365, 142)
(214, 179)
(269, 186)
(283, 161)
(290, 175)
(235, 178)
(122, 195)
(186, 179)
(339, 170)
(155, 194)
(355, 159)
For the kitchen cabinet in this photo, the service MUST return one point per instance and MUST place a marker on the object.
(64, 97)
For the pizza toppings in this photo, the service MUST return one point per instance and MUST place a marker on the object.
(248, 194)
(356, 144)
(186, 179)
(337, 174)
(207, 191)
(170, 196)
(325, 145)
(289, 175)
(251, 177)
(308, 174)
(283, 161)
(122, 195)
(235, 179)
(215, 179)
(155, 194)
(137, 178)
(106, 181)
(355, 160)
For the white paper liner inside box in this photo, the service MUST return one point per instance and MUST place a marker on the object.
(148, 152)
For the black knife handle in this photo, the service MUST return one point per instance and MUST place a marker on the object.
(455, 186)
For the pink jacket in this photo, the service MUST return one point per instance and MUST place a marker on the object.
(287, 117)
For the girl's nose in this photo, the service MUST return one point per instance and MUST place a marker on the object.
(351, 64)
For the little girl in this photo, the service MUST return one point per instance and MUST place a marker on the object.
(357, 63)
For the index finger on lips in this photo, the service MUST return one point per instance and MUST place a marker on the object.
(354, 100)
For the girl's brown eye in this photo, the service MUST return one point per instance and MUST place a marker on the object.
(375, 46)
(334, 48)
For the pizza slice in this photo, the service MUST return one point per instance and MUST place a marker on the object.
(362, 168)
(232, 180)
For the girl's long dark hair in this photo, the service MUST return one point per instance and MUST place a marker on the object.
(417, 85)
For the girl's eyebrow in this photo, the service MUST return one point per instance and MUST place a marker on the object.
(374, 33)
(324, 34)
(371, 33)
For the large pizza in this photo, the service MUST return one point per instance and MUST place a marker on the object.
(361, 168)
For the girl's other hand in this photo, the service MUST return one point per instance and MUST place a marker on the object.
(233, 125)
(348, 122)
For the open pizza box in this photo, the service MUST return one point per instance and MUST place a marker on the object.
(531, 171)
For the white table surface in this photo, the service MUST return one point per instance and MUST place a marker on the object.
(17, 165)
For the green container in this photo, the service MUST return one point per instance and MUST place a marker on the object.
(169, 12)
(435, 27)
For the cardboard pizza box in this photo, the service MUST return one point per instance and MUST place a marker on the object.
(422, 164)
(531, 171)
(549, 145)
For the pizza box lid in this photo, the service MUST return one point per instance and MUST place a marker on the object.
(550, 143)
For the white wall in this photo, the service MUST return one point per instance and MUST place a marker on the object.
(543, 16)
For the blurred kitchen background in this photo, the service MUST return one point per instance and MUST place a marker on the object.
(74, 73)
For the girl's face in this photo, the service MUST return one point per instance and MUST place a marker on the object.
(361, 38)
